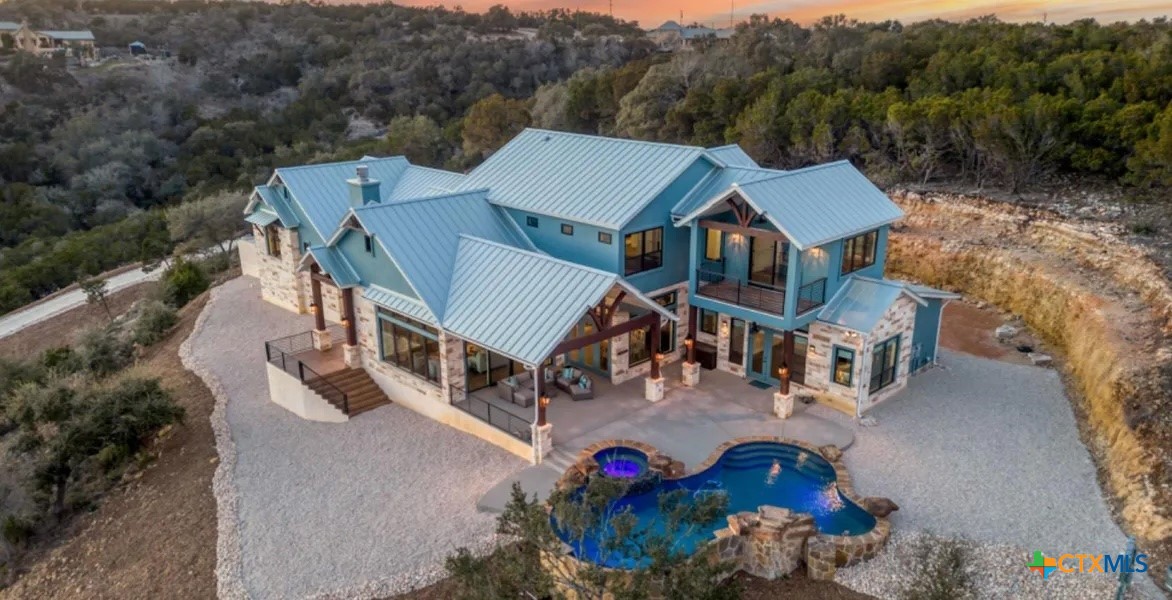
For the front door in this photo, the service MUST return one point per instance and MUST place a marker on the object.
(766, 353)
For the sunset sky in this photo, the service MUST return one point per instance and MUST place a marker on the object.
(652, 13)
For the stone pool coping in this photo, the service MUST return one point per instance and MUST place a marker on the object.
(823, 553)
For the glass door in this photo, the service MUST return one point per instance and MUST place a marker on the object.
(776, 356)
(797, 367)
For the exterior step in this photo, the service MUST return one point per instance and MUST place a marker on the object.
(361, 391)
(559, 460)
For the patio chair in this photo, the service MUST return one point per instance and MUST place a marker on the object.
(563, 382)
(579, 392)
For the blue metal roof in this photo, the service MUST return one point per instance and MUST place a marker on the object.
(734, 156)
(522, 303)
(399, 303)
(596, 180)
(277, 203)
(335, 264)
(261, 218)
(815, 205)
(9, 26)
(71, 36)
(718, 182)
(324, 195)
(861, 302)
(421, 237)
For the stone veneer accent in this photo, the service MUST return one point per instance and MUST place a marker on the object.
(899, 319)
(280, 283)
(367, 325)
(723, 346)
(620, 370)
(771, 542)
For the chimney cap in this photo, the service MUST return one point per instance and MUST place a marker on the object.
(363, 172)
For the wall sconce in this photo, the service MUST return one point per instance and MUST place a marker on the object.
(783, 373)
(313, 308)
(659, 357)
(345, 323)
(689, 342)
(543, 401)
(724, 329)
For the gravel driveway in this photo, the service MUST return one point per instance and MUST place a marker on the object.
(988, 450)
(365, 508)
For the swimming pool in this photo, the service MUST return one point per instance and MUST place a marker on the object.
(751, 474)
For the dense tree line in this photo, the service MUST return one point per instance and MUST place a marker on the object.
(253, 86)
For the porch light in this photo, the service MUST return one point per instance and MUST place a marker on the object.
(659, 356)
(724, 329)
(345, 323)
(543, 401)
(783, 373)
(688, 343)
(313, 308)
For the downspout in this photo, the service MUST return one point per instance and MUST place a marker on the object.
(939, 322)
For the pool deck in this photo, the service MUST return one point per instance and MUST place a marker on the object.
(688, 424)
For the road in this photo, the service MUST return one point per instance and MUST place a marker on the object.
(31, 315)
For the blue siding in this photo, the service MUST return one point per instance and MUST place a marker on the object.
(676, 240)
(583, 247)
(927, 329)
(377, 269)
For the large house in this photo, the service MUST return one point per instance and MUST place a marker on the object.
(71, 44)
(566, 264)
(672, 36)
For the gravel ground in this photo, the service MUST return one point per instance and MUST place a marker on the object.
(996, 571)
(361, 509)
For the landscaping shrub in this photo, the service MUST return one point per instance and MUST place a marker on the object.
(941, 571)
(17, 531)
(103, 351)
(155, 319)
(183, 281)
(63, 358)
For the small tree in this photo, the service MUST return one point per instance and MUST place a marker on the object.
(214, 221)
(660, 560)
(97, 292)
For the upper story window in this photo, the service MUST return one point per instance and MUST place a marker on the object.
(273, 240)
(604, 237)
(644, 251)
(531, 221)
(859, 252)
(567, 229)
(368, 243)
(713, 245)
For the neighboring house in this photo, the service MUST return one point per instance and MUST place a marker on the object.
(456, 293)
(137, 48)
(672, 36)
(72, 44)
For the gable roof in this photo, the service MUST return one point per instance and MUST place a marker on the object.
(815, 205)
(734, 156)
(334, 262)
(275, 203)
(860, 303)
(522, 303)
(399, 303)
(324, 196)
(421, 237)
(589, 179)
(717, 183)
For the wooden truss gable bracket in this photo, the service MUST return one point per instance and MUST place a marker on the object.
(741, 209)
(603, 315)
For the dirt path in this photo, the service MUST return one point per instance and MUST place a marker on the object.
(154, 536)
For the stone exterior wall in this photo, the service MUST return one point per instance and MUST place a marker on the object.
(280, 283)
(401, 381)
(900, 319)
(620, 369)
(723, 346)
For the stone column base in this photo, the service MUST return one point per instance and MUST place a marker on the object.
(783, 405)
(653, 389)
(322, 340)
(352, 355)
(820, 559)
(691, 374)
(542, 441)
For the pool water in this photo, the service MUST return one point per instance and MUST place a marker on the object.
(752, 475)
(621, 462)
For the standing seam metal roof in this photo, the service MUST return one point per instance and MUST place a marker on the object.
(335, 263)
(596, 180)
(717, 183)
(421, 237)
(861, 302)
(815, 205)
(733, 155)
(399, 303)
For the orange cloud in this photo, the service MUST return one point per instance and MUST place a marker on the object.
(651, 14)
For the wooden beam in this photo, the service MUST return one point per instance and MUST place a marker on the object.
(319, 311)
(749, 231)
(605, 334)
(348, 314)
(653, 347)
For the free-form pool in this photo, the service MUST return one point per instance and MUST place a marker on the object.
(751, 475)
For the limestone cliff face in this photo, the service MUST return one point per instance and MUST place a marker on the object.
(1100, 300)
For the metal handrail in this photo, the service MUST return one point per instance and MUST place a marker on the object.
(748, 294)
(303, 368)
(518, 427)
(813, 293)
(280, 352)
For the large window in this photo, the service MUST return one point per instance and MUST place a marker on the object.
(859, 252)
(273, 240)
(884, 364)
(409, 345)
(713, 245)
(637, 351)
(768, 262)
(736, 343)
(644, 251)
(708, 321)
(667, 332)
(844, 366)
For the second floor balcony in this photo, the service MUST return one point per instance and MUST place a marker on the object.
(715, 284)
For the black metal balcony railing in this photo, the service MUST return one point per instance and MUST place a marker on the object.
(812, 295)
(497, 416)
(719, 286)
(281, 352)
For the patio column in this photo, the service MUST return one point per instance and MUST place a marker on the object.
(542, 432)
(783, 400)
(350, 350)
(653, 388)
(321, 337)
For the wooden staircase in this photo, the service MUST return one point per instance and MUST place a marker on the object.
(361, 391)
